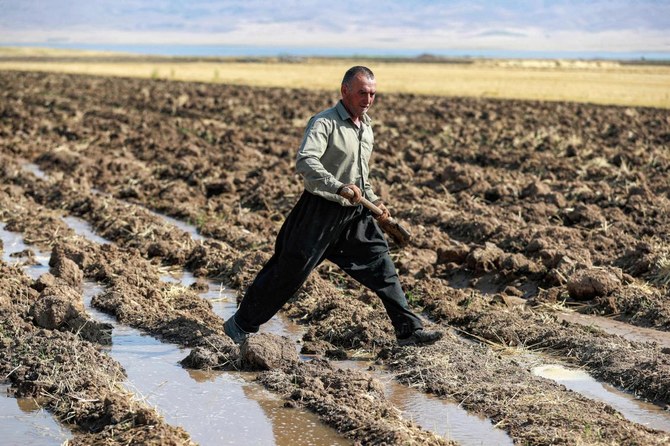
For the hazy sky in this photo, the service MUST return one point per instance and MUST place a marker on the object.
(562, 25)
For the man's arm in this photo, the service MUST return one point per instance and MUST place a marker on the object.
(308, 162)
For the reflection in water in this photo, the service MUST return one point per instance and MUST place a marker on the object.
(633, 409)
(434, 414)
(23, 422)
(309, 431)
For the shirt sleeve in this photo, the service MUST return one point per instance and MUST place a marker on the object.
(308, 162)
(369, 194)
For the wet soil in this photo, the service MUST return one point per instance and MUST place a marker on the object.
(515, 207)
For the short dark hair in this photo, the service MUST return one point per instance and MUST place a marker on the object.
(355, 71)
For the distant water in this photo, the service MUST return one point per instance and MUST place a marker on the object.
(274, 51)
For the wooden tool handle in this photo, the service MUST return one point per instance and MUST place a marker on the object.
(348, 193)
(395, 230)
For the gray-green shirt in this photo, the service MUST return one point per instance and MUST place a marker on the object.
(335, 152)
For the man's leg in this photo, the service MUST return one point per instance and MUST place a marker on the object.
(379, 274)
(362, 253)
(303, 239)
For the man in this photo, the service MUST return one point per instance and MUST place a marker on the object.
(333, 161)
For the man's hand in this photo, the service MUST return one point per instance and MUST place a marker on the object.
(356, 198)
(385, 212)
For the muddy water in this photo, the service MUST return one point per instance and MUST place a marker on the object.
(23, 422)
(213, 407)
(633, 409)
(627, 331)
(13, 244)
(443, 418)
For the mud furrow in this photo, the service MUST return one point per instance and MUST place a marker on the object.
(640, 368)
(533, 410)
(79, 385)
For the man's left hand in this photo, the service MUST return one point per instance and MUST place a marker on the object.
(385, 212)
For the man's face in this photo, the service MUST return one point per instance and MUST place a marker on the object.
(359, 95)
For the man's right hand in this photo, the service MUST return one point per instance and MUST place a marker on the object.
(351, 192)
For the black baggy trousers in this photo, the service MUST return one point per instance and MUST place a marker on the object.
(317, 229)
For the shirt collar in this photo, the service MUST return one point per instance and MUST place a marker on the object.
(344, 114)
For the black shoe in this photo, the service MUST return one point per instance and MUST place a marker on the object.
(420, 337)
(234, 331)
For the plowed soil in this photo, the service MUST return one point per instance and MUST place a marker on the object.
(517, 208)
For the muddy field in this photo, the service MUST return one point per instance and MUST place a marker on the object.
(520, 212)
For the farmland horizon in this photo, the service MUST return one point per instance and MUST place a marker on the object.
(219, 50)
(633, 82)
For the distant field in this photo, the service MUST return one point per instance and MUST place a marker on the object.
(581, 81)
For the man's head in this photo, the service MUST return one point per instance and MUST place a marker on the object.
(358, 90)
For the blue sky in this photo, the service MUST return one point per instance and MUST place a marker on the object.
(426, 25)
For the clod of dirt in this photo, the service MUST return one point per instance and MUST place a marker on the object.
(60, 307)
(66, 269)
(536, 188)
(56, 307)
(323, 348)
(27, 254)
(453, 254)
(61, 156)
(590, 283)
(266, 351)
(44, 281)
(214, 352)
(587, 215)
(520, 264)
(458, 177)
(485, 259)
(200, 285)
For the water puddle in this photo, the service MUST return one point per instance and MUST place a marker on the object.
(37, 263)
(631, 408)
(434, 414)
(23, 421)
(623, 329)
